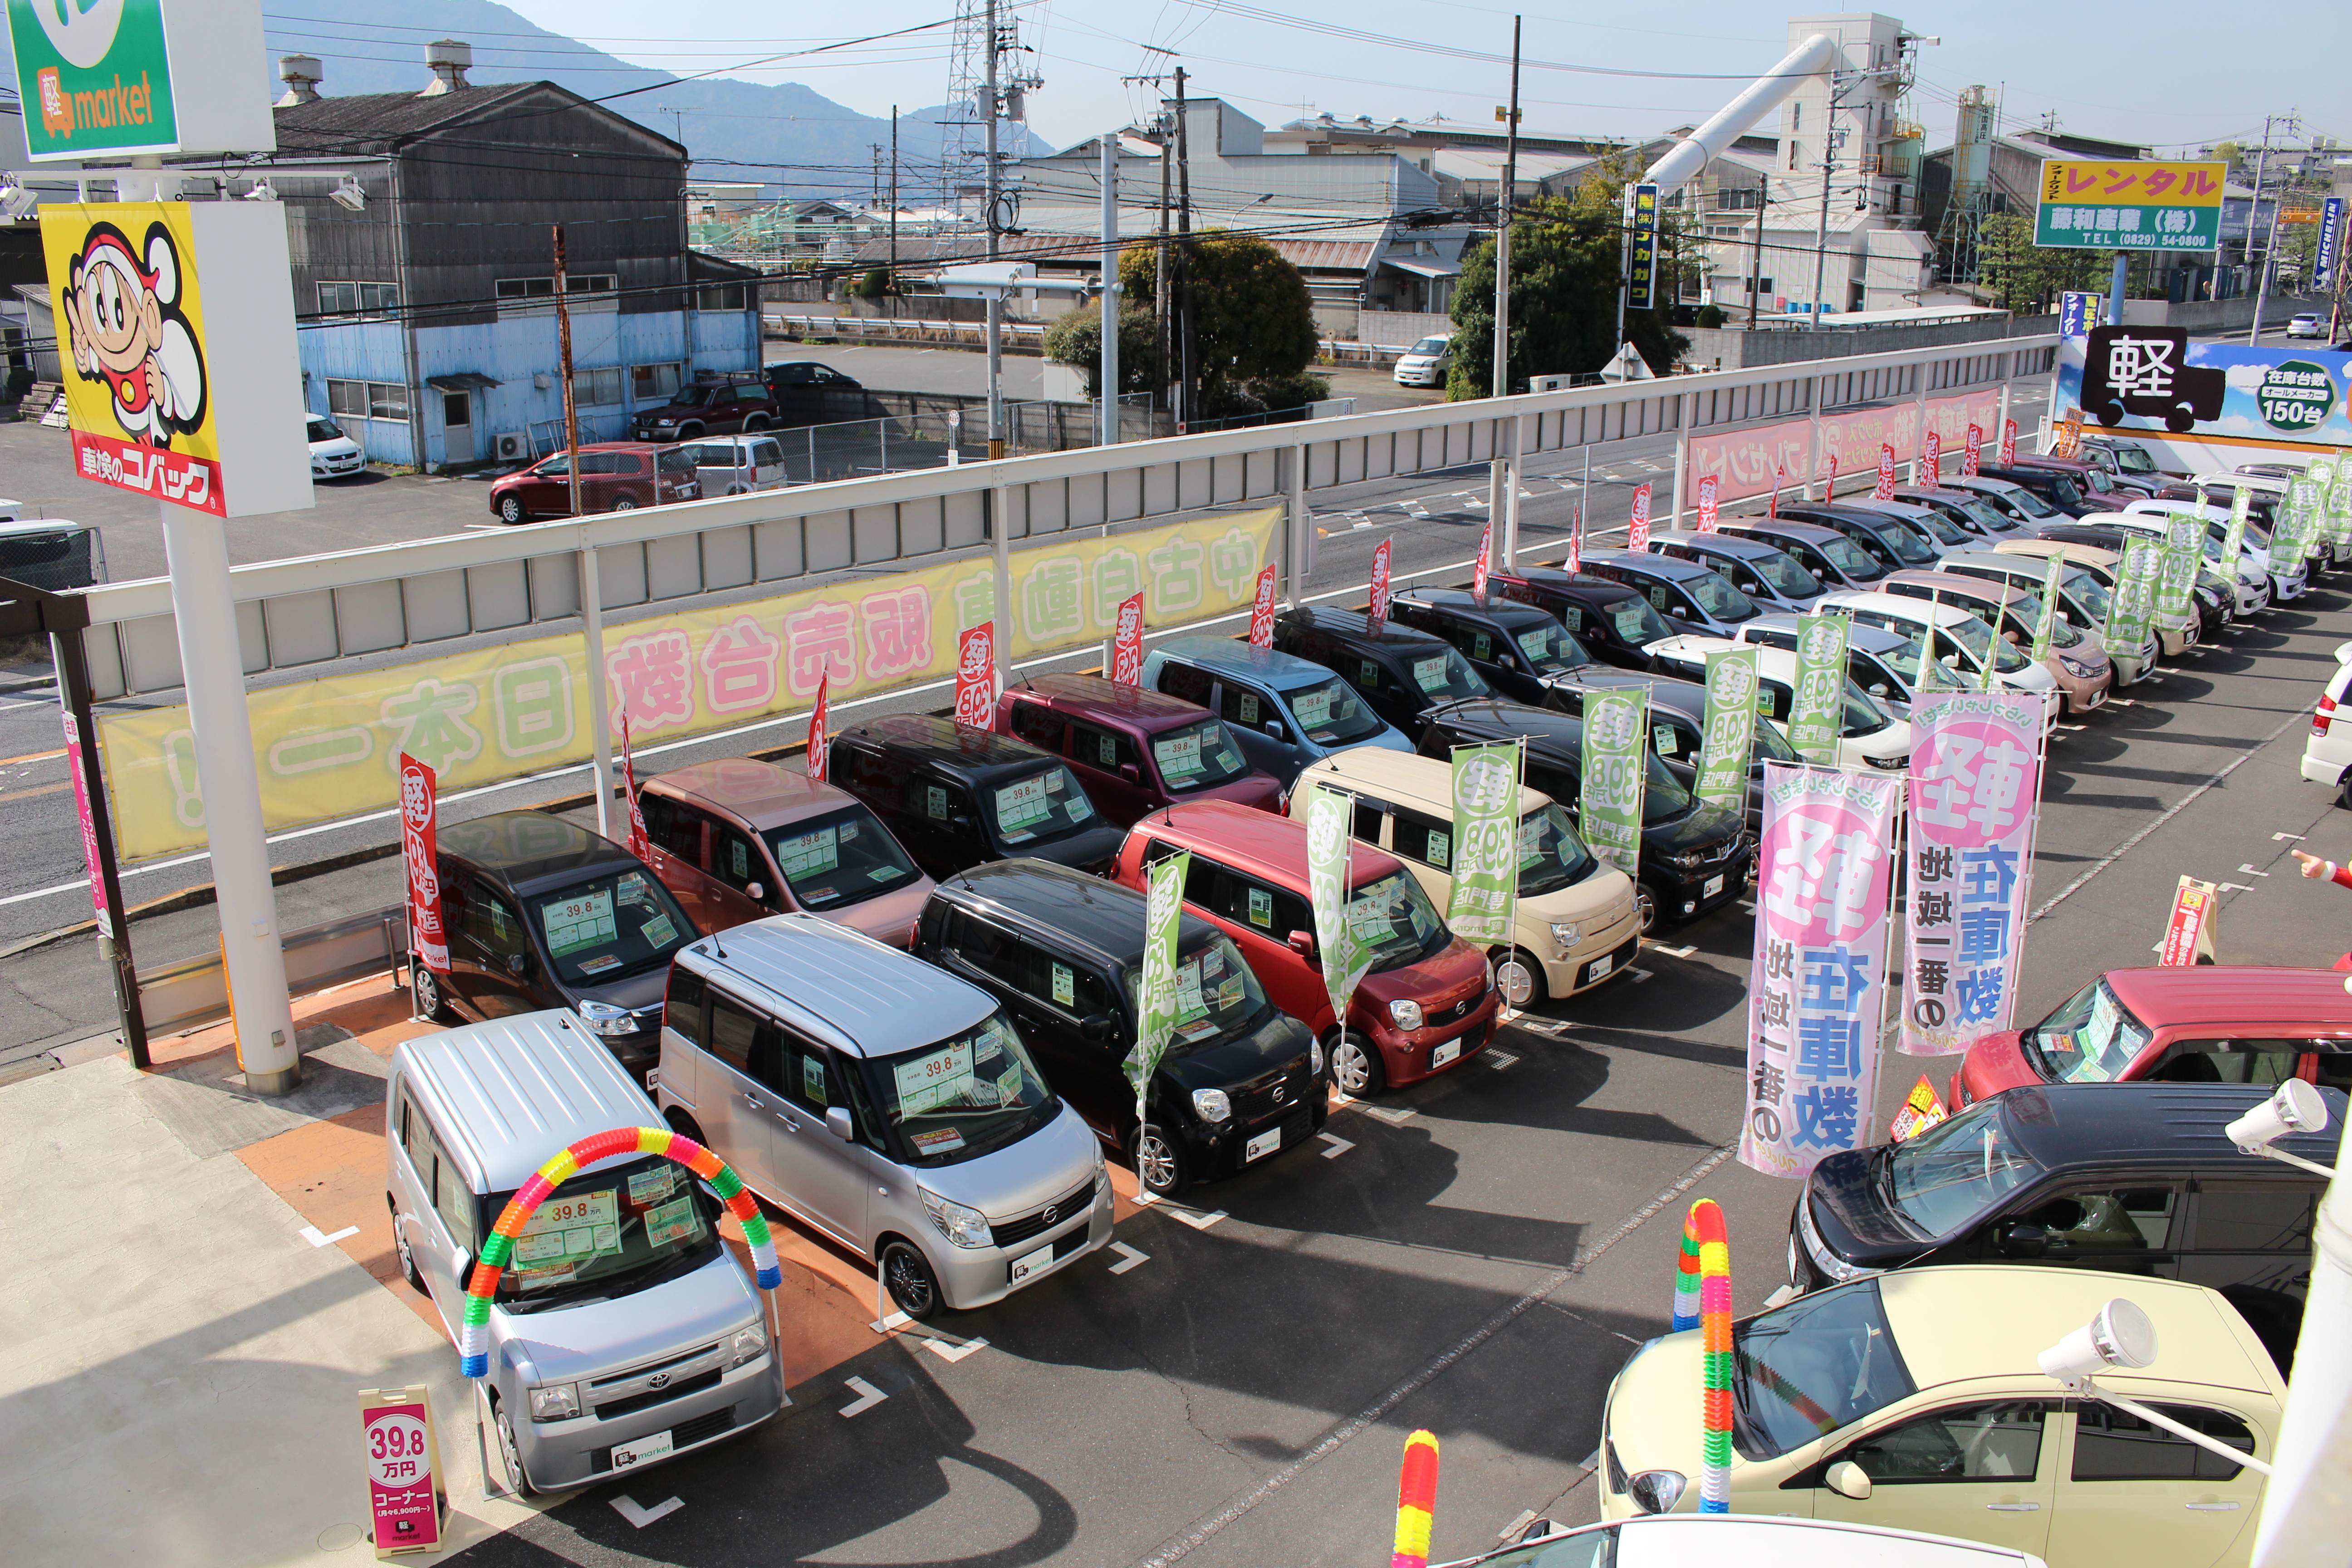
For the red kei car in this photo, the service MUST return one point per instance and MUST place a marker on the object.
(1135, 751)
(1428, 1003)
(615, 476)
(2207, 1024)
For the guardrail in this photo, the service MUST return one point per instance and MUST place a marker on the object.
(313, 611)
(194, 992)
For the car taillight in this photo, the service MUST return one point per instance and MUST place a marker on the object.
(2319, 720)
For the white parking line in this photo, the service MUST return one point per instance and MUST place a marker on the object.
(2245, 868)
(1338, 1145)
(2279, 837)
(947, 1347)
(1641, 976)
(2240, 887)
(868, 1396)
(1394, 1115)
(1197, 1221)
(1127, 1258)
(628, 1508)
(310, 1233)
(1499, 1060)
(1674, 952)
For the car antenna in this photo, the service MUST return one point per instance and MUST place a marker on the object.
(715, 947)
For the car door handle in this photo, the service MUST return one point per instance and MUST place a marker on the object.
(754, 1103)
(2013, 1507)
(2212, 1507)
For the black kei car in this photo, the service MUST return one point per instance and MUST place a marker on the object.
(1679, 729)
(1518, 649)
(1613, 622)
(1694, 858)
(540, 913)
(2123, 1178)
(1241, 1081)
(1401, 672)
(955, 796)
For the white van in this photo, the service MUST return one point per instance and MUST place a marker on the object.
(1870, 736)
(2328, 752)
(738, 465)
(622, 1332)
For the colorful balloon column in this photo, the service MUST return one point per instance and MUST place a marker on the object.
(474, 1348)
(1702, 1302)
(1416, 1500)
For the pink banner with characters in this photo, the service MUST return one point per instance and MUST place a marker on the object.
(1816, 990)
(1976, 790)
(1744, 461)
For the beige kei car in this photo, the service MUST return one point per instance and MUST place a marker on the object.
(1913, 1399)
(1577, 922)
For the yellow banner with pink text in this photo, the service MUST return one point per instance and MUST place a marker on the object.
(1751, 461)
(329, 749)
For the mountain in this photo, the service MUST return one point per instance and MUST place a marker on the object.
(787, 137)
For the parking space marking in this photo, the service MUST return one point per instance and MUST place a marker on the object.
(1394, 1115)
(1536, 1026)
(947, 1347)
(1675, 952)
(1127, 1258)
(868, 1396)
(1338, 1145)
(310, 1233)
(2246, 868)
(1197, 1221)
(2240, 887)
(2277, 838)
(1641, 976)
(626, 1507)
(1499, 1060)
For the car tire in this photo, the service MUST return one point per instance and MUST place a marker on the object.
(1513, 958)
(625, 503)
(1356, 1065)
(509, 510)
(907, 1275)
(510, 1451)
(2343, 789)
(1161, 1166)
(688, 432)
(1648, 907)
(757, 422)
(408, 1270)
(426, 985)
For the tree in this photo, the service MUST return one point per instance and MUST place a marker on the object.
(876, 284)
(2027, 277)
(1076, 339)
(1567, 256)
(1252, 320)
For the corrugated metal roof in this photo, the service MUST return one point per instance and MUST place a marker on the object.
(378, 122)
(1326, 255)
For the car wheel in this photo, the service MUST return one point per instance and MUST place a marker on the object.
(1645, 905)
(408, 1270)
(1356, 1065)
(625, 503)
(1159, 1162)
(510, 510)
(2344, 791)
(426, 985)
(510, 1451)
(907, 1273)
(688, 432)
(1519, 978)
(757, 422)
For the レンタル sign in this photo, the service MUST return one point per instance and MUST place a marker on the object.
(2141, 205)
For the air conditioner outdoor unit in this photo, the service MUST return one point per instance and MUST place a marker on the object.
(513, 447)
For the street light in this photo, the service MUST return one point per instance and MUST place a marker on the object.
(2120, 1335)
(2295, 1108)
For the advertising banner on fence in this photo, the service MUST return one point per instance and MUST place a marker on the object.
(325, 749)
(1747, 462)
(1126, 642)
(1826, 877)
(2161, 380)
(1729, 726)
(1330, 817)
(1817, 705)
(420, 805)
(1485, 841)
(1976, 801)
(1616, 761)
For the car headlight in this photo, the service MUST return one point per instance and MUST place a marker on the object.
(747, 1344)
(1688, 860)
(962, 1226)
(1567, 933)
(1212, 1105)
(603, 1018)
(2078, 670)
(1314, 1055)
(1828, 1262)
(556, 1402)
(1405, 1016)
(1657, 1491)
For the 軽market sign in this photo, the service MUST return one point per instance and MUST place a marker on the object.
(101, 78)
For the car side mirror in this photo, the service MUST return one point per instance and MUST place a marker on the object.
(1130, 772)
(2022, 1241)
(756, 891)
(1274, 728)
(519, 963)
(1302, 942)
(836, 1121)
(1101, 1029)
(1879, 690)
(1848, 1481)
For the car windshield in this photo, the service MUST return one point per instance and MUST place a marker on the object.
(1850, 559)
(1909, 545)
(608, 1232)
(1332, 714)
(2091, 1039)
(1864, 714)
(1550, 648)
(2086, 590)
(1636, 622)
(1395, 921)
(2062, 491)
(1040, 806)
(1946, 1176)
(2028, 615)
(2134, 460)
(1198, 757)
(1718, 598)
(1906, 660)
(1942, 529)
(2026, 501)
(1551, 856)
(609, 928)
(836, 861)
(1443, 675)
(1783, 576)
(1803, 1371)
(1431, 346)
(2096, 478)
(1994, 520)
(323, 429)
(1771, 746)
(1664, 798)
(955, 1099)
(1977, 638)
(1217, 996)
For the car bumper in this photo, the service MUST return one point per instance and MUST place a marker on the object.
(557, 1455)
(1685, 895)
(1593, 963)
(2320, 768)
(1406, 1058)
(339, 467)
(977, 1276)
(1225, 1151)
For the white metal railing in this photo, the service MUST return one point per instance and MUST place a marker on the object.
(313, 610)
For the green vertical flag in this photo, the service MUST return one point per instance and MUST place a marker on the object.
(1486, 893)
(2129, 605)
(2233, 538)
(2183, 536)
(2325, 475)
(1728, 730)
(1163, 915)
(1329, 815)
(1928, 675)
(1616, 766)
(1817, 707)
(2046, 623)
(2303, 500)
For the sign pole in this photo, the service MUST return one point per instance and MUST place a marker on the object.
(90, 786)
(2116, 291)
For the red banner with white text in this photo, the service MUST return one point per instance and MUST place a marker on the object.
(1744, 461)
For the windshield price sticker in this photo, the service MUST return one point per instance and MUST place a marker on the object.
(574, 923)
(569, 1229)
(672, 1221)
(809, 854)
(1429, 674)
(1313, 708)
(1022, 803)
(1178, 754)
(1536, 644)
(938, 1078)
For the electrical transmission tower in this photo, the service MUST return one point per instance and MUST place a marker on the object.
(980, 84)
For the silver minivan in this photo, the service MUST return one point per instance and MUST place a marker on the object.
(884, 1102)
(624, 1331)
(739, 465)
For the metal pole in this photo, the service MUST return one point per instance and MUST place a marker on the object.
(1682, 454)
(1501, 475)
(2115, 290)
(2253, 216)
(1159, 271)
(72, 662)
(204, 607)
(1510, 523)
(600, 697)
(892, 295)
(1187, 393)
(1814, 451)
(1756, 271)
(563, 341)
(1919, 475)
(1001, 540)
(1108, 382)
(996, 301)
(1302, 531)
(1821, 231)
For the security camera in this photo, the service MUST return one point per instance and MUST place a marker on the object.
(16, 200)
(2295, 1108)
(2120, 1335)
(348, 193)
(263, 191)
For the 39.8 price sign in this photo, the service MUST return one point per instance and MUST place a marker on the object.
(404, 1491)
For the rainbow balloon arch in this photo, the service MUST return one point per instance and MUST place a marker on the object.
(1702, 1302)
(1416, 1501)
(474, 1349)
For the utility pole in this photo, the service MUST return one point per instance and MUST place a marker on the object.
(1107, 381)
(2253, 216)
(1503, 473)
(1186, 390)
(1821, 231)
(563, 343)
(1160, 270)
(995, 299)
(893, 210)
(1756, 271)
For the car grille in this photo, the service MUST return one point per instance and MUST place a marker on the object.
(1890, 764)
(1616, 1470)
(702, 1429)
(1013, 1232)
(1454, 1014)
(654, 1383)
(1728, 850)
(1271, 1094)
(613, 1409)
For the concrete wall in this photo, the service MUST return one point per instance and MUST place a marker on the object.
(2217, 315)
(1400, 328)
(1733, 349)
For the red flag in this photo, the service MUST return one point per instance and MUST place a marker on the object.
(420, 848)
(1831, 494)
(1380, 579)
(1885, 489)
(640, 844)
(1637, 532)
(1972, 454)
(1779, 477)
(1576, 542)
(1127, 643)
(1262, 611)
(1485, 564)
(1932, 460)
(975, 688)
(1709, 513)
(819, 746)
(2008, 443)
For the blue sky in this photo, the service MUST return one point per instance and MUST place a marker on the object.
(2164, 72)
